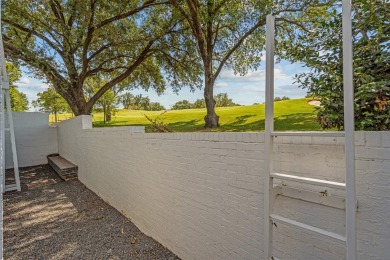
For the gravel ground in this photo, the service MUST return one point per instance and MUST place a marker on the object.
(53, 219)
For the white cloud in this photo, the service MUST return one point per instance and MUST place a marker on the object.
(252, 76)
(23, 81)
(221, 85)
(258, 88)
(168, 91)
(28, 83)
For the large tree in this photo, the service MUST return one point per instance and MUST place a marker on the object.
(67, 42)
(231, 34)
(19, 101)
(51, 102)
(108, 101)
(319, 46)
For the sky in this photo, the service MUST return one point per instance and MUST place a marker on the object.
(244, 90)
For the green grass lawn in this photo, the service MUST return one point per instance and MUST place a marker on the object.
(290, 115)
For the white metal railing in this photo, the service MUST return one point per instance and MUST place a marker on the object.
(5, 97)
(349, 186)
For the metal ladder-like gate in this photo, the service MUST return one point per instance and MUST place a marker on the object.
(5, 100)
(5, 97)
(349, 186)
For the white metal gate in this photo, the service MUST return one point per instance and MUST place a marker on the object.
(349, 186)
(5, 100)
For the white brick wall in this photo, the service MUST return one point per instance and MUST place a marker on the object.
(201, 194)
(35, 139)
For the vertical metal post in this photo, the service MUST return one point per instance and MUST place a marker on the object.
(268, 139)
(6, 95)
(2, 115)
(349, 125)
(2, 136)
(2, 148)
(12, 136)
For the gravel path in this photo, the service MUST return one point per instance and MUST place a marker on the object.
(53, 219)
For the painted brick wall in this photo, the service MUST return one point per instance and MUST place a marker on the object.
(201, 194)
(35, 139)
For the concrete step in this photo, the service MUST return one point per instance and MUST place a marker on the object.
(65, 169)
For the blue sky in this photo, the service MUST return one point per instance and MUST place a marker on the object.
(244, 90)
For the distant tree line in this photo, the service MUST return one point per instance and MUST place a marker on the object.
(138, 102)
(276, 99)
(221, 100)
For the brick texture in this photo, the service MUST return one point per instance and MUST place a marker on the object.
(35, 139)
(201, 194)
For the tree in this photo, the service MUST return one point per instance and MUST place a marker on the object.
(230, 34)
(199, 103)
(222, 100)
(127, 100)
(51, 102)
(19, 101)
(183, 104)
(138, 102)
(108, 101)
(276, 99)
(155, 106)
(127, 42)
(322, 52)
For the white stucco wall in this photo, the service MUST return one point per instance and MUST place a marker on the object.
(201, 194)
(35, 139)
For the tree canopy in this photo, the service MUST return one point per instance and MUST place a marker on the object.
(19, 101)
(231, 34)
(319, 46)
(51, 102)
(138, 102)
(133, 43)
(221, 100)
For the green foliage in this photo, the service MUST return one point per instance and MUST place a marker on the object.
(231, 34)
(127, 100)
(51, 102)
(138, 102)
(19, 101)
(183, 104)
(157, 124)
(107, 102)
(321, 50)
(155, 106)
(276, 99)
(13, 72)
(290, 115)
(128, 43)
(221, 100)
(199, 103)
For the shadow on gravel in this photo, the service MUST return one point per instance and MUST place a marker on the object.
(53, 219)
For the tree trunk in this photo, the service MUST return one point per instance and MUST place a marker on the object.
(76, 101)
(104, 114)
(55, 116)
(108, 117)
(211, 119)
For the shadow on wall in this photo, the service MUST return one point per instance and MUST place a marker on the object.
(65, 220)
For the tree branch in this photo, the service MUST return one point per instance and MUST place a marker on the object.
(116, 80)
(37, 34)
(129, 13)
(260, 23)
